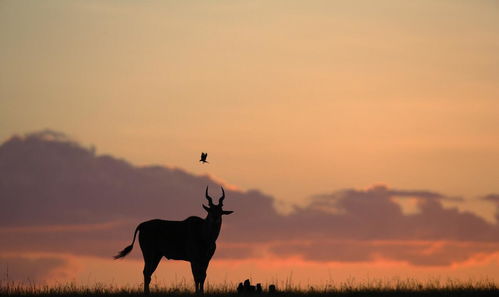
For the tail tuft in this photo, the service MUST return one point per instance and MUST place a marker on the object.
(124, 252)
(129, 248)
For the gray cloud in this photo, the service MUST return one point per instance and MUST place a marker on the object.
(368, 215)
(57, 196)
(22, 269)
(492, 197)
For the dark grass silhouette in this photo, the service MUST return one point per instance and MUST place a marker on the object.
(192, 240)
(372, 288)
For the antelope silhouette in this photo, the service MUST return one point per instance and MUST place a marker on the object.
(192, 240)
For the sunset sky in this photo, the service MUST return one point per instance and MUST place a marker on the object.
(313, 113)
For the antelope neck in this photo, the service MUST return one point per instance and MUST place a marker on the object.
(213, 227)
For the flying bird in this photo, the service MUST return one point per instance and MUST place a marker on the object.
(203, 157)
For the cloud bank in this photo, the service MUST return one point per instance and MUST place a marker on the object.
(37, 269)
(59, 197)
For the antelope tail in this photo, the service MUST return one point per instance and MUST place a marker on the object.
(129, 248)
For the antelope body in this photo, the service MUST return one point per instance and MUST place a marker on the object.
(192, 239)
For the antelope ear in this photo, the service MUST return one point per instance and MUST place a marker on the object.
(227, 212)
(206, 208)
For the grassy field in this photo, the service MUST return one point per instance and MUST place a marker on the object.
(350, 288)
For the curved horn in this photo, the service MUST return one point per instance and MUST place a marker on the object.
(221, 200)
(210, 201)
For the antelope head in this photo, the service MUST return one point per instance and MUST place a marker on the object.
(216, 211)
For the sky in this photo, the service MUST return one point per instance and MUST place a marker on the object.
(296, 100)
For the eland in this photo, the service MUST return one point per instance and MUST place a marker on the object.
(192, 240)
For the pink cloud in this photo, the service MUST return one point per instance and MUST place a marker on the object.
(420, 253)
